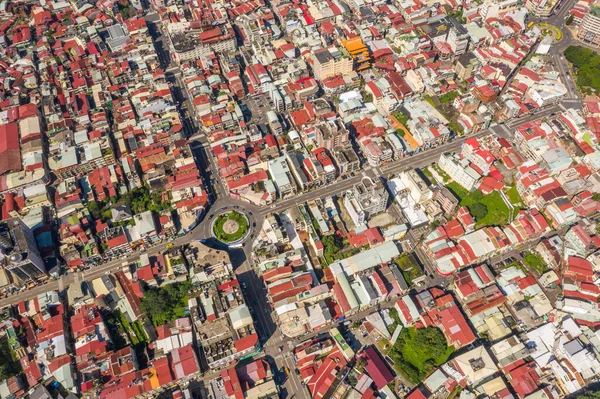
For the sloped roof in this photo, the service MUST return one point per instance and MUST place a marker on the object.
(10, 151)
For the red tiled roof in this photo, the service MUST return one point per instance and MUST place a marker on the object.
(524, 379)
(340, 297)
(246, 342)
(416, 394)
(326, 374)
(10, 150)
(377, 369)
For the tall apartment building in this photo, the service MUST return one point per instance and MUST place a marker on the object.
(190, 41)
(450, 36)
(372, 196)
(445, 198)
(589, 30)
(274, 123)
(354, 209)
(282, 177)
(20, 252)
(459, 170)
(541, 8)
(418, 189)
(330, 62)
(493, 8)
(458, 37)
(346, 160)
(331, 134)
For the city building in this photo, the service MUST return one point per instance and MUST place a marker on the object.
(20, 251)
(589, 29)
(192, 40)
(330, 62)
(541, 8)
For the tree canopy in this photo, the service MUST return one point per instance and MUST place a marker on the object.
(592, 394)
(417, 351)
(140, 200)
(587, 62)
(478, 210)
(8, 366)
(162, 305)
(570, 19)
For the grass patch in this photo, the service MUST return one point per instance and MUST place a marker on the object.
(383, 345)
(9, 366)
(427, 173)
(446, 108)
(115, 329)
(494, 212)
(515, 198)
(336, 248)
(535, 262)
(418, 351)
(515, 264)
(559, 34)
(455, 392)
(459, 191)
(119, 328)
(430, 100)
(448, 97)
(456, 128)
(220, 223)
(410, 268)
(445, 177)
(127, 328)
(139, 332)
(394, 316)
(403, 120)
(498, 212)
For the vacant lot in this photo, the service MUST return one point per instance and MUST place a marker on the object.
(535, 262)
(488, 210)
(418, 351)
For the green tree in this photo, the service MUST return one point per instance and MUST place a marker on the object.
(106, 215)
(165, 304)
(570, 20)
(8, 366)
(596, 197)
(587, 62)
(478, 210)
(140, 200)
(448, 97)
(592, 394)
(95, 208)
(476, 195)
(417, 351)
(578, 55)
(368, 98)
(331, 245)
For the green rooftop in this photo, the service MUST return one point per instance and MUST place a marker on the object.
(341, 341)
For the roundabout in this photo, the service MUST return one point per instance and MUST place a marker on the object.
(550, 31)
(230, 227)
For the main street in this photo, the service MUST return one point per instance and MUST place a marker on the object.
(201, 231)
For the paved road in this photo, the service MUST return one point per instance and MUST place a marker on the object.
(557, 49)
(258, 213)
